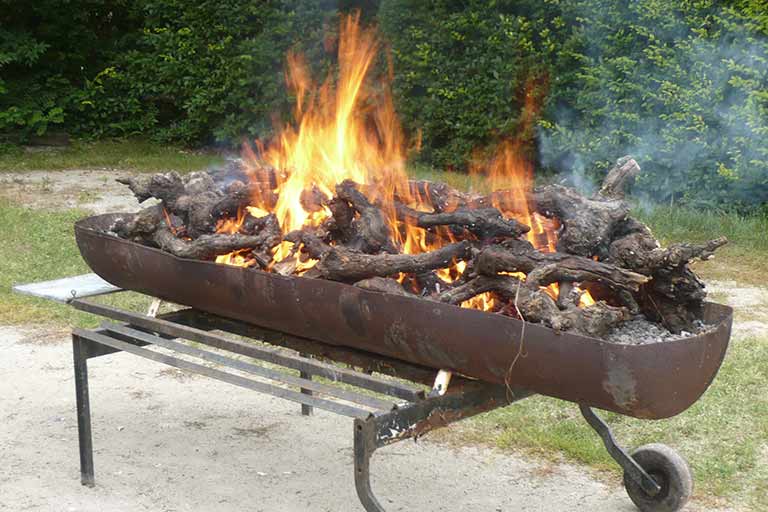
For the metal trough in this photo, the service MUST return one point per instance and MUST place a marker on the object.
(645, 381)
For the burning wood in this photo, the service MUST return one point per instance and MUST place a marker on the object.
(476, 250)
(330, 199)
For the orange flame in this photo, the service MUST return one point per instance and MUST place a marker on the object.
(347, 128)
(333, 138)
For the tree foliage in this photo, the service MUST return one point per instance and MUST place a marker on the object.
(204, 72)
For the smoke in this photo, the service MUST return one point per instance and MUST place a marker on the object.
(682, 89)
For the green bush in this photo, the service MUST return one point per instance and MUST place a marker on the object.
(48, 49)
(461, 68)
(203, 72)
(683, 86)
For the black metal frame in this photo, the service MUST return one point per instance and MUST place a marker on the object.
(385, 412)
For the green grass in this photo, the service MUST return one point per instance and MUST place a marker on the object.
(459, 180)
(724, 436)
(131, 155)
(38, 245)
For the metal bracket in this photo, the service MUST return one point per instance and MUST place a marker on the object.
(627, 463)
(465, 400)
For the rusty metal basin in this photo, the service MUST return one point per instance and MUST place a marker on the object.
(651, 381)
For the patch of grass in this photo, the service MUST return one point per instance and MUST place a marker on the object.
(724, 436)
(743, 259)
(459, 180)
(38, 245)
(130, 155)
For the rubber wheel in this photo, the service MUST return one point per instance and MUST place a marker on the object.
(670, 471)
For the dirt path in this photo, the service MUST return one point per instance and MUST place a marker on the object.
(96, 191)
(750, 304)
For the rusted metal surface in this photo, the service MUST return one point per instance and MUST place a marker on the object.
(647, 381)
(467, 399)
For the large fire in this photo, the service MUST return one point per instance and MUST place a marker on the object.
(347, 128)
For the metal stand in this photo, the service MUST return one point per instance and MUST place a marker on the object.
(397, 410)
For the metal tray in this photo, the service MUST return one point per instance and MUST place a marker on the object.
(651, 381)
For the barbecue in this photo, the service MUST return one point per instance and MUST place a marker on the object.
(318, 241)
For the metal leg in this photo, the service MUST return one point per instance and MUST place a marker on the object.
(306, 410)
(631, 468)
(365, 445)
(83, 412)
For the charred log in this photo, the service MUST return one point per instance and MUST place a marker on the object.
(342, 264)
(535, 305)
(310, 243)
(371, 229)
(195, 198)
(139, 226)
(237, 195)
(587, 224)
(339, 225)
(640, 252)
(440, 196)
(312, 200)
(383, 285)
(546, 268)
(618, 178)
(674, 296)
(206, 247)
(484, 223)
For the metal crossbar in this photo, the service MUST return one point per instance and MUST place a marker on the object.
(128, 333)
(268, 354)
(287, 394)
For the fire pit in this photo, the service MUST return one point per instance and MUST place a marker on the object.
(629, 379)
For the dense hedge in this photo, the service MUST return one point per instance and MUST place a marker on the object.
(49, 49)
(682, 85)
(196, 72)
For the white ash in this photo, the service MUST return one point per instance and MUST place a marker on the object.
(640, 331)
